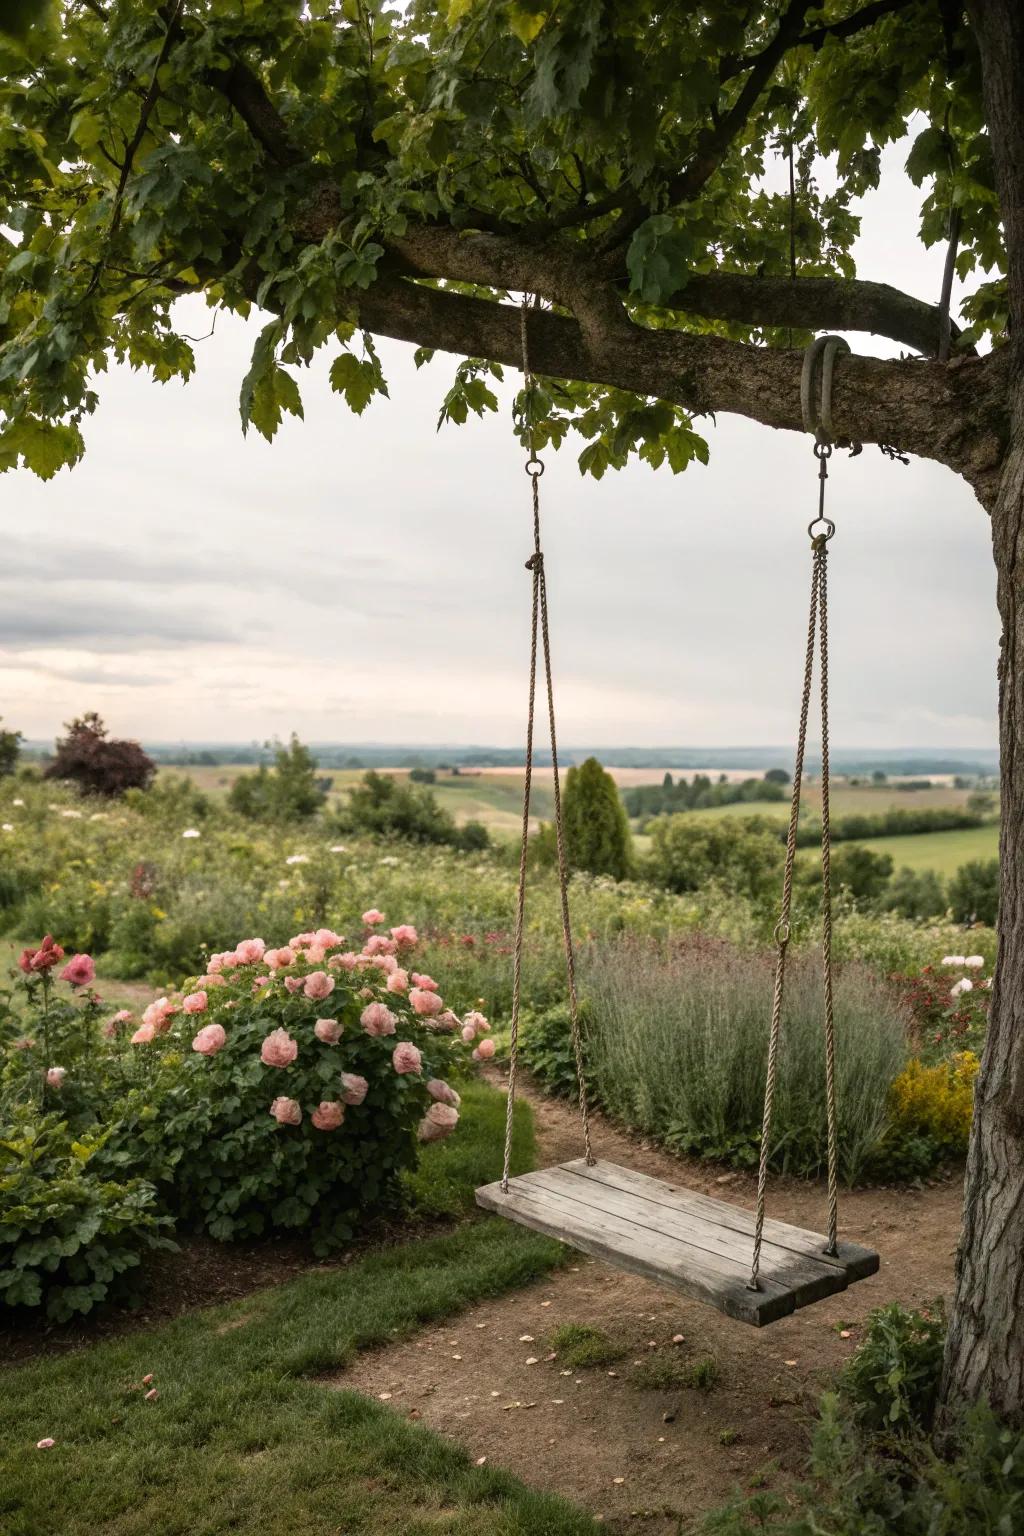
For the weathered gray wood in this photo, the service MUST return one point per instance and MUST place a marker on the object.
(690, 1242)
(858, 1262)
(795, 1272)
(623, 1245)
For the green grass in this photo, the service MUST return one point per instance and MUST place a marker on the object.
(577, 1345)
(941, 851)
(244, 1437)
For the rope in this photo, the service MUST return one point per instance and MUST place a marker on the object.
(817, 629)
(539, 609)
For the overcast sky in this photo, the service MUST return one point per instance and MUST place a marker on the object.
(362, 578)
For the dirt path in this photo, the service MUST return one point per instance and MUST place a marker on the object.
(656, 1457)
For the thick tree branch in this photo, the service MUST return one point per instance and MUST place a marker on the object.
(937, 411)
(244, 90)
(999, 27)
(566, 274)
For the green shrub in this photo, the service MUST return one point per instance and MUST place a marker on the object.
(70, 1239)
(546, 1049)
(892, 1381)
(288, 792)
(916, 893)
(256, 1157)
(744, 855)
(597, 835)
(677, 1047)
(974, 892)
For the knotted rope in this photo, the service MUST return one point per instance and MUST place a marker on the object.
(539, 611)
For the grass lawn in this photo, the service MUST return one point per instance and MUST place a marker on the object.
(243, 1437)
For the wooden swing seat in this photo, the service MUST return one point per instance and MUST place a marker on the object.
(679, 1238)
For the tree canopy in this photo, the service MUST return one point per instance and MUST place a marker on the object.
(337, 165)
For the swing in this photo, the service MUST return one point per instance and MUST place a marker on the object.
(751, 1268)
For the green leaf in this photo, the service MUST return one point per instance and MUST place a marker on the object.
(658, 259)
(357, 379)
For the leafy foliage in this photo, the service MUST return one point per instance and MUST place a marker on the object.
(10, 746)
(276, 156)
(597, 835)
(384, 806)
(974, 892)
(69, 1238)
(287, 792)
(99, 765)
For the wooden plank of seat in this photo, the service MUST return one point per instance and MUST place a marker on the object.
(653, 1229)
(857, 1262)
(624, 1245)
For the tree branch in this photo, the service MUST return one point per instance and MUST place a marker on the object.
(565, 274)
(244, 90)
(848, 27)
(937, 411)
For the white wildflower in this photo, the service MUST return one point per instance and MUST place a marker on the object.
(952, 959)
(974, 961)
(17, 802)
(297, 858)
(191, 832)
(6, 827)
(72, 815)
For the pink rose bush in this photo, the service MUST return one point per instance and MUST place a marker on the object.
(316, 1071)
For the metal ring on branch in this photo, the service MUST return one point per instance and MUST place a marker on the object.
(816, 387)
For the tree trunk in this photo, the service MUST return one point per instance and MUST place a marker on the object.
(985, 1346)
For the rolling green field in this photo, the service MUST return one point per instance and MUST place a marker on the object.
(941, 851)
(494, 797)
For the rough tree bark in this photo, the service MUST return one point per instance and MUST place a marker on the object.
(985, 1348)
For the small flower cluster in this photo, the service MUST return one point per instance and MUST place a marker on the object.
(316, 966)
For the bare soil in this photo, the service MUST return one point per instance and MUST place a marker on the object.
(657, 1457)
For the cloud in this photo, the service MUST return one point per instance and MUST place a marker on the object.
(33, 620)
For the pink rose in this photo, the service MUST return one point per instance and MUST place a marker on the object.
(406, 1058)
(55, 1076)
(427, 983)
(213, 980)
(46, 1444)
(386, 963)
(316, 954)
(327, 1030)
(49, 954)
(210, 1039)
(293, 983)
(373, 917)
(286, 1111)
(438, 1122)
(484, 1051)
(477, 1023)
(443, 1093)
(398, 981)
(319, 985)
(261, 981)
(112, 1026)
(143, 1035)
(215, 965)
(195, 1002)
(277, 959)
(249, 951)
(468, 1034)
(300, 940)
(425, 1003)
(377, 944)
(159, 1014)
(279, 1050)
(446, 1021)
(405, 935)
(328, 939)
(79, 972)
(328, 1115)
(346, 962)
(377, 1019)
(353, 1088)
